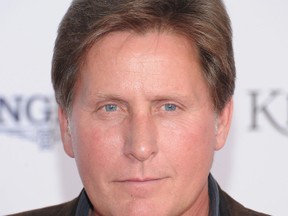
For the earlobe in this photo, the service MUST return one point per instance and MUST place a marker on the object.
(65, 132)
(223, 123)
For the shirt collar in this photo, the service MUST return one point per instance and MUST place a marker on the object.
(213, 196)
(84, 204)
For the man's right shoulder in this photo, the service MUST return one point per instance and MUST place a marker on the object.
(64, 209)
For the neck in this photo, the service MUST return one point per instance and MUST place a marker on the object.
(201, 206)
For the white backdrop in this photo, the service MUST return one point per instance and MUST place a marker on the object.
(35, 172)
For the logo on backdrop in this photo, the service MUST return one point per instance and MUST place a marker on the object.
(30, 117)
(271, 107)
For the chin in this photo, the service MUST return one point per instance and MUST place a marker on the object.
(142, 207)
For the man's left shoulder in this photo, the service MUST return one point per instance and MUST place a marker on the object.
(229, 206)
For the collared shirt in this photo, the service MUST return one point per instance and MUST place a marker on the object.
(214, 203)
(84, 204)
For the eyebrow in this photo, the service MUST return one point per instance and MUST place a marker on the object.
(99, 97)
(178, 97)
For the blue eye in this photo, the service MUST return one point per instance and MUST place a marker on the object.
(110, 107)
(170, 107)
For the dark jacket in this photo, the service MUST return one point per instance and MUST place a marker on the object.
(65, 209)
(228, 207)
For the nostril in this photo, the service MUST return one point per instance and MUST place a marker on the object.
(141, 143)
(140, 150)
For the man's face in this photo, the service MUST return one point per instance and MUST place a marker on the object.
(142, 127)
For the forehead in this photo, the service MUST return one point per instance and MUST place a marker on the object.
(156, 62)
(118, 46)
(123, 39)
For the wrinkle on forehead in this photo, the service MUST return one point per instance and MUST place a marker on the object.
(143, 59)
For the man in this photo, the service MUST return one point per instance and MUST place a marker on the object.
(145, 90)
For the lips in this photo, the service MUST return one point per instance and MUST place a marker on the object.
(141, 187)
(141, 180)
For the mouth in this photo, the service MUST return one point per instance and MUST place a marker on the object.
(142, 187)
(141, 180)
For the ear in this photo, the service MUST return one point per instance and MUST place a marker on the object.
(223, 123)
(65, 132)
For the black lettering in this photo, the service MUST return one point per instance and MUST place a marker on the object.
(263, 109)
(11, 110)
(46, 109)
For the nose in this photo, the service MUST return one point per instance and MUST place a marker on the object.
(141, 142)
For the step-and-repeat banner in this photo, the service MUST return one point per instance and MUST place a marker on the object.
(35, 172)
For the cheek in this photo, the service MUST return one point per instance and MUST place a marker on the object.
(190, 145)
(95, 147)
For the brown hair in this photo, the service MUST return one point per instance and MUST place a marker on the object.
(203, 22)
